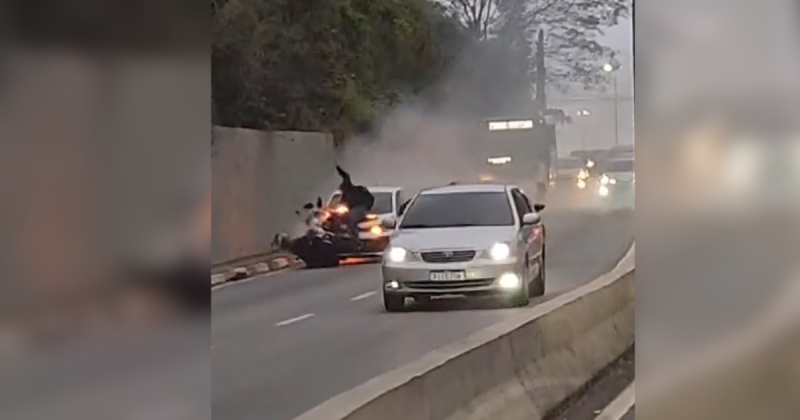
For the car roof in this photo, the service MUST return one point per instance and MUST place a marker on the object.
(466, 188)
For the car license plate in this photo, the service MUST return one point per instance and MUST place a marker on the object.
(448, 275)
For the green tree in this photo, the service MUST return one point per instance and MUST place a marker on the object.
(334, 65)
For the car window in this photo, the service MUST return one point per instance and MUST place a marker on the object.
(520, 203)
(459, 209)
(528, 204)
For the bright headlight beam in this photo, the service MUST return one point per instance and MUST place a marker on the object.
(396, 254)
(509, 281)
(500, 251)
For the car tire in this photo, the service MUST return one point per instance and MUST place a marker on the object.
(536, 288)
(394, 303)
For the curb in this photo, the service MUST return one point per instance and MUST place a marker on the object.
(274, 263)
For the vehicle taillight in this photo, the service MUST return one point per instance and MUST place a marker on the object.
(536, 232)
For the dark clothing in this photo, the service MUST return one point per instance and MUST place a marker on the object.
(354, 195)
(354, 217)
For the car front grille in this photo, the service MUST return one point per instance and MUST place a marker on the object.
(447, 256)
(448, 285)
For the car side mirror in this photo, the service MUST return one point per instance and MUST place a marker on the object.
(308, 206)
(319, 202)
(538, 208)
(389, 223)
(531, 219)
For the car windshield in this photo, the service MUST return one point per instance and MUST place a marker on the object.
(619, 166)
(383, 202)
(459, 210)
(569, 164)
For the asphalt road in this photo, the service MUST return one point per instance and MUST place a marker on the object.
(284, 343)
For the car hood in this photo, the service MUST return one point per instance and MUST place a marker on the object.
(378, 221)
(452, 238)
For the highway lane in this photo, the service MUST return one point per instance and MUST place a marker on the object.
(283, 344)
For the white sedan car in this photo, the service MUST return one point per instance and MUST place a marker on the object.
(468, 240)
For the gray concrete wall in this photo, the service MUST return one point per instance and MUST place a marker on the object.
(258, 180)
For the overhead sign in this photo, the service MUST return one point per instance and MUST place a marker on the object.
(510, 125)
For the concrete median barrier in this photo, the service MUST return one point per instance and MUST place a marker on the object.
(519, 369)
(250, 267)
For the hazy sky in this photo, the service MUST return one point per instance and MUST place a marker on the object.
(620, 37)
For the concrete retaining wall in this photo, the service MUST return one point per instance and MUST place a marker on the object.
(519, 369)
(259, 179)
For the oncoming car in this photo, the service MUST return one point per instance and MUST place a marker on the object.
(618, 176)
(467, 240)
(373, 236)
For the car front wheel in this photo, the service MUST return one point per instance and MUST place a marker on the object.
(537, 285)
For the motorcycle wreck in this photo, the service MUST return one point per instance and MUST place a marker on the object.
(326, 240)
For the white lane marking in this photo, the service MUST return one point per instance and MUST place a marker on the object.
(363, 296)
(293, 320)
(616, 409)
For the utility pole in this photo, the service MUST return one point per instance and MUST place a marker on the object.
(614, 70)
(541, 75)
(616, 112)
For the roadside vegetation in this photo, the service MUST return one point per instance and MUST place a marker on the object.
(340, 65)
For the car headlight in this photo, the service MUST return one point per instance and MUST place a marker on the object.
(583, 174)
(500, 251)
(396, 254)
(581, 184)
(603, 190)
(604, 180)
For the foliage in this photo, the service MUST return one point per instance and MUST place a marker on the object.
(340, 65)
(571, 27)
(323, 65)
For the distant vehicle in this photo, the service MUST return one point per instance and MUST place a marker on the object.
(617, 176)
(468, 240)
(517, 151)
(571, 172)
(590, 157)
(626, 151)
